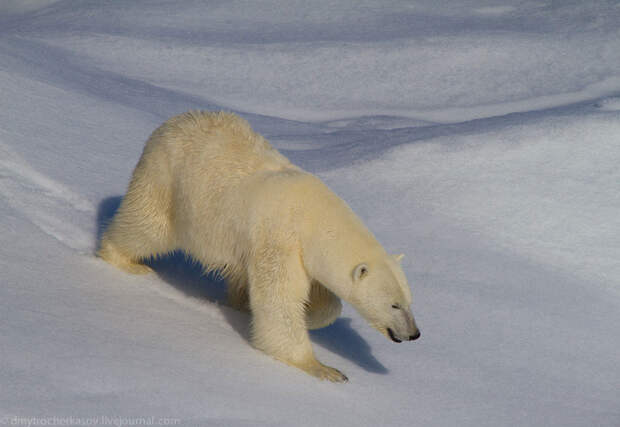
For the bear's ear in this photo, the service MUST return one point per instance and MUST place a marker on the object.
(398, 257)
(360, 272)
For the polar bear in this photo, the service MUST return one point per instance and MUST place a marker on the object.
(289, 248)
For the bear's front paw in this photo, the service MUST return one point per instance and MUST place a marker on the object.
(327, 373)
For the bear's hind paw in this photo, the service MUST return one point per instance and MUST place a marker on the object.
(136, 268)
(112, 255)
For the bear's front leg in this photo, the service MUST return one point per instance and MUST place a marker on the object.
(279, 289)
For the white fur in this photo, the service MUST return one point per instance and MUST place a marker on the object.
(289, 247)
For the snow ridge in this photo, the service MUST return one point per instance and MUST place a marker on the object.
(46, 203)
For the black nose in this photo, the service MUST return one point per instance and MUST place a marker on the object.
(414, 336)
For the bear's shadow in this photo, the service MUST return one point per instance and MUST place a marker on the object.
(187, 276)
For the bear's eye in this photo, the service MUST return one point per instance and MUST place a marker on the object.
(396, 306)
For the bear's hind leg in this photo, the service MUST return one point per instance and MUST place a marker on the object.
(237, 288)
(141, 228)
(279, 289)
(323, 307)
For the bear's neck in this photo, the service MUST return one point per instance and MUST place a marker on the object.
(334, 243)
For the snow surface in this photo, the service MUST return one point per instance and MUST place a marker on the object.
(481, 138)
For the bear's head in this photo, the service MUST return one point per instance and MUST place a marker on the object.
(381, 294)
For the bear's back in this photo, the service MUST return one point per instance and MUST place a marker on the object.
(214, 144)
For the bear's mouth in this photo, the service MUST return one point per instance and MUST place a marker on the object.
(391, 334)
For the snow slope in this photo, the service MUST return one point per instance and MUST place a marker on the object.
(481, 138)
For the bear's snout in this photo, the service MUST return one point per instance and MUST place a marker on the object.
(403, 327)
(395, 338)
